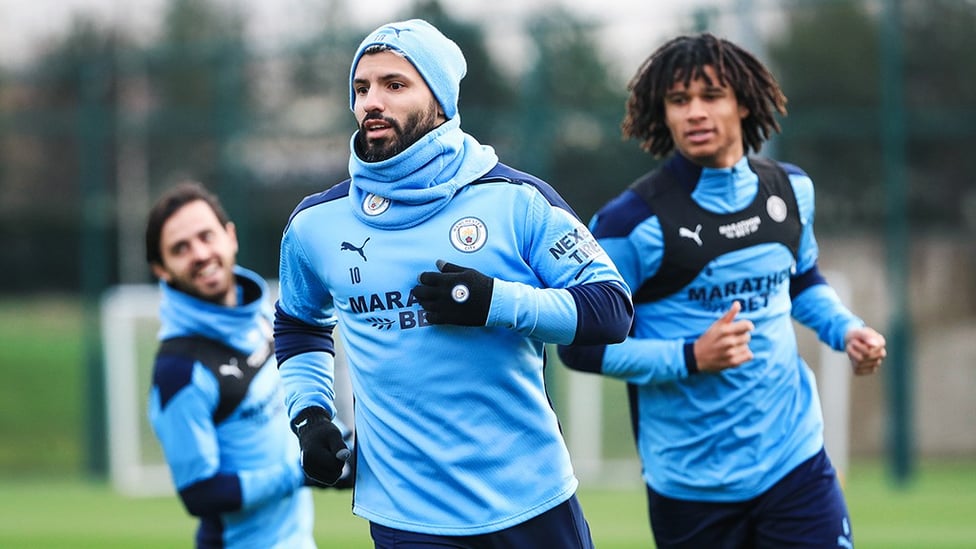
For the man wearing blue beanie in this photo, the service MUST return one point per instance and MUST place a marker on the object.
(448, 272)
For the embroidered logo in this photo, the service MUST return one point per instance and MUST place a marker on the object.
(776, 208)
(688, 233)
(469, 234)
(353, 248)
(845, 539)
(375, 205)
(231, 369)
(383, 36)
(740, 229)
(460, 293)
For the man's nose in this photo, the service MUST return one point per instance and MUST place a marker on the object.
(372, 101)
(199, 250)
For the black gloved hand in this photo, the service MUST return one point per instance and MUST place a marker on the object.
(323, 451)
(455, 295)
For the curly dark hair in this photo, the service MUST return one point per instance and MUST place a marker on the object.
(166, 205)
(683, 59)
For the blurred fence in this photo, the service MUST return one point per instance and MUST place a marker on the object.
(93, 130)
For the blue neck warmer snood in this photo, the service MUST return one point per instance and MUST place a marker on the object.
(420, 180)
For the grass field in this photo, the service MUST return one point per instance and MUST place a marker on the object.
(46, 503)
(937, 510)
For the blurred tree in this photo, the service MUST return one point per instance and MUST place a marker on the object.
(47, 147)
(196, 72)
(834, 89)
(571, 111)
(321, 65)
(940, 95)
(833, 97)
(202, 104)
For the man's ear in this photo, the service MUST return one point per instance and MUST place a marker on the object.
(232, 232)
(160, 272)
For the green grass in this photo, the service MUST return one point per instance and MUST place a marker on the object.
(935, 510)
(67, 514)
(41, 418)
(45, 502)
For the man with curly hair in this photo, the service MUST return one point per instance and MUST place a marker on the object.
(719, 250)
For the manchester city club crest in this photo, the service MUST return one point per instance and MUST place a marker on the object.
(375, 205)
(776, 208)
(469, 234)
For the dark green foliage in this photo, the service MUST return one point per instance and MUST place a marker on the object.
(95, 120)
(202, 96)
(572, 105)
(829, 63)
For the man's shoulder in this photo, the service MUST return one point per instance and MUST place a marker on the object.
(233, 370)
(619, 216)
(172, 371)
(336, 192)
(502, 173)
(789, 168)
(622, 213)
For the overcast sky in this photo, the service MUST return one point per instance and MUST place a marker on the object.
(631, 28)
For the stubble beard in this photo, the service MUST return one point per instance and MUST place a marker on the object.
(418, 124)
(189, 286)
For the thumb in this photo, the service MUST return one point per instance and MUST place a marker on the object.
(729, 315)
(445, 267)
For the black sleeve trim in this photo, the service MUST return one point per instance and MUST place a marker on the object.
(583, 358)
(604, 313)
(220, 493)
(294, 337)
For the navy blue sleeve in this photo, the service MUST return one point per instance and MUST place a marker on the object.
(604, 311)
(170, 374)
(691, 363)
(619, 217)
(583, 358)
(294, 337)
(803, 281)
(220, 493)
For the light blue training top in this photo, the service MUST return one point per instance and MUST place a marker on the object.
(455, 431)
(725, 436)
(240, 476)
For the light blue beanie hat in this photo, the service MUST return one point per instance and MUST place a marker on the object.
(436, 57)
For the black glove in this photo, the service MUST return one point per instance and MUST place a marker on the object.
(455, 295)
(347, 479)
(324, 453)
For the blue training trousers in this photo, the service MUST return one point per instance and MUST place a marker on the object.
(562, 527)
(805, 509)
